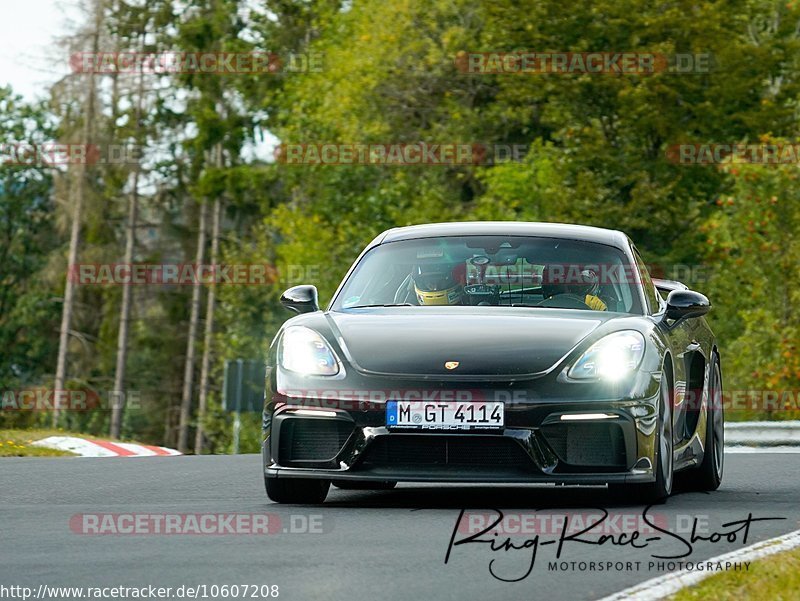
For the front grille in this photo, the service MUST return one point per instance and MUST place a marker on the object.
(315, 439)
(599, 444)
(465, 451)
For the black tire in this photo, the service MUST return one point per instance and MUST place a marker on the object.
(297, 490)
(708, 475)
(661, 488)
(364, 485)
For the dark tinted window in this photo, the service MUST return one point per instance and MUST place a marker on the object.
(494, 271)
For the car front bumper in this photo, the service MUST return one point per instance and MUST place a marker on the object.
(537, 445)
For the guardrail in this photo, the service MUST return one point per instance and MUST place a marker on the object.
(762, 434)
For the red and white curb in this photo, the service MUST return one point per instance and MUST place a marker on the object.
(669, 584)
(86, 447)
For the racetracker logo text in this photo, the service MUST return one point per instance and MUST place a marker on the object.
(206, 63)
(110, 274)
(565, 63)
(197, 524)
(81, 400)
(715, 154)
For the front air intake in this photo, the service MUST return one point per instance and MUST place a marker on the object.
(313, 440)
(590, 445)
(463, 451)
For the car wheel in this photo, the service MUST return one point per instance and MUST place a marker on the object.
(709, 474)
(364, 485)
(297, 490)
(658, 491)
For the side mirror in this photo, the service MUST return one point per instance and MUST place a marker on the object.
(686, 303)
(301, 299)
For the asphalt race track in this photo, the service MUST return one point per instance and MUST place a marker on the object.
(363, 544)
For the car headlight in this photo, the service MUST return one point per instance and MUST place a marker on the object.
(304, 351)
(611, 358)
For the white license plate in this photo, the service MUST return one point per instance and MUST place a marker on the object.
(444, 415)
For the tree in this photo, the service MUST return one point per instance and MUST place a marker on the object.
(755, 285)
(80, 183)
(28, 315)
(205, 363)
(137, 138)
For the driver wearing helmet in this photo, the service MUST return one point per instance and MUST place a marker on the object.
(437, 284)
(584, 287)
(592, 291)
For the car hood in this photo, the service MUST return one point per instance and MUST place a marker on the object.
(505, 342)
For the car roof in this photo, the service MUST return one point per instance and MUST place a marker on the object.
(507, 228)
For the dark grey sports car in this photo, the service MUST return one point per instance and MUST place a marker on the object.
(494, 352)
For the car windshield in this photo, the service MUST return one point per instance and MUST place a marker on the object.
(509, 271)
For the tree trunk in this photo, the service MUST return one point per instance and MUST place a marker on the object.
(209, 333)
(188, 372)
(78, 192)
(119, 393)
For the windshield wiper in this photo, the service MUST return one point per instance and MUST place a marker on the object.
(380, 305)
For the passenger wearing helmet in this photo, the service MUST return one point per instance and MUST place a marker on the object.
(559, 288)
(437, 284)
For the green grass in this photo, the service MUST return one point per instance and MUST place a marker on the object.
(776, 578)
(17, 443)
